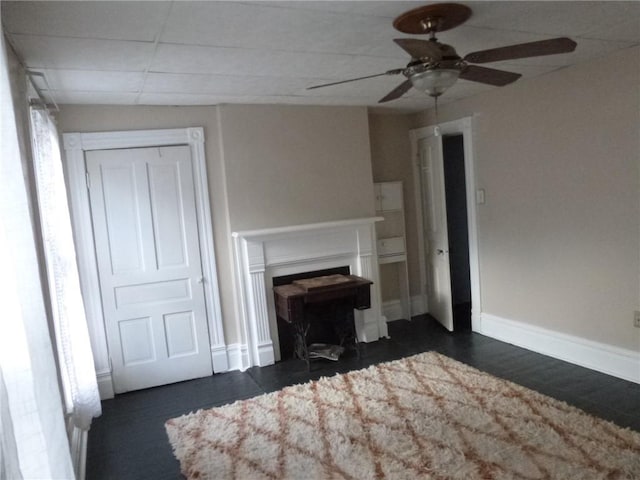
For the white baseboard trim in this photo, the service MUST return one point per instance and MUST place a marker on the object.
(78, 448)
(419, 305)
(370, 331)
(219, 358)
(238, 355)
(105, 384)
(615, 361)
(392, 309)
(266, 355)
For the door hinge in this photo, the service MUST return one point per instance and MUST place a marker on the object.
(88, 180)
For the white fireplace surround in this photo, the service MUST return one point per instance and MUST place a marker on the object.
(264, 254)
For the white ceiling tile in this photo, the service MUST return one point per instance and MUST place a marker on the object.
(558, 18)
(94, 98)
(82, 53)
(627, 30)
(222, 84)
(270, 52)
(189, 99)
(263, 26)
(388, 9)
(102, 19)
(94, 81)
(235, 61)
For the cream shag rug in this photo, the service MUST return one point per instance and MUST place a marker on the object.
(421, 417)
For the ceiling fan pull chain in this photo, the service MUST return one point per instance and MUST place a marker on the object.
(436, 129)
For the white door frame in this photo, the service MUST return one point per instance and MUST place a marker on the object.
(464, 127)
(75, 145)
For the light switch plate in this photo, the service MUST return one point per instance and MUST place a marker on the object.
(480, 196)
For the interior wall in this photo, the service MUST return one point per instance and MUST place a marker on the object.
(267, 166)
(391, 161)
(102, 118)
(559, 235)
(290, 165)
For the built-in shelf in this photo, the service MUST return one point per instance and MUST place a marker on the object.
(391, 239)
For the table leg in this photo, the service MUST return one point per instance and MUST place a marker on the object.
(301, 328)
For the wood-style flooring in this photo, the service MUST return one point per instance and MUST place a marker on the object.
(129, 442)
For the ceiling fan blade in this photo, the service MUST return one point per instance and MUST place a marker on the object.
(490, 76)
(388, 72)
(397, 92)
(523, 50)
(420, 48)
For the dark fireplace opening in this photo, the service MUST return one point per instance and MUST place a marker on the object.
(319, 331)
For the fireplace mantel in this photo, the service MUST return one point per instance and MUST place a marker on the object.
(263, 254)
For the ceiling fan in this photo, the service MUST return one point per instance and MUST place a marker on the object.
(435, 66)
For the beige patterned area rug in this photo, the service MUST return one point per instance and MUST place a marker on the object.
(423, 417)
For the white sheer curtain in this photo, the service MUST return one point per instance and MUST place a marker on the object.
(34, 442)
(9, 462)
(72, 337)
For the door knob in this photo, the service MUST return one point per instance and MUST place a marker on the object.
(200, 280)
(440, 251)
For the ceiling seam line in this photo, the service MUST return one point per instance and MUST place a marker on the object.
(156, 43)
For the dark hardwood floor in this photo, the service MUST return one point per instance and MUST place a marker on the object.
(129, 442)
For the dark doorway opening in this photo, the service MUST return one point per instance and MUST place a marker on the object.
(458, 229)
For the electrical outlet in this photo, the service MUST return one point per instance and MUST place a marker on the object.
(636, 319)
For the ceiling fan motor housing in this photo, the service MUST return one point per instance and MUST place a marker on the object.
(432, 18)
(435, 66)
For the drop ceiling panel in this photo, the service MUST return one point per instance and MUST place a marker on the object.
(94, 81)
(94, 98)
(107, 20)
(191, 53)
(236, 61)
(568, 18)
(264, 26)
(82, 53)
(626, 30)
(222, 84)
(192, 99)
(388, 9)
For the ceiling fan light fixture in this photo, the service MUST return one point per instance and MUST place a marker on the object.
(434, 82)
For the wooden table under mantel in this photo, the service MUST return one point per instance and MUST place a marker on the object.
(341, 293)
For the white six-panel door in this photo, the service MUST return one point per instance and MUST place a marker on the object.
(435, 230)
(148, 255)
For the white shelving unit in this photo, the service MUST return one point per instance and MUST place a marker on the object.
(391, 238)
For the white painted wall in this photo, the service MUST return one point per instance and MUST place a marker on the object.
(559, 235)
(295, 165)
(268, 166)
